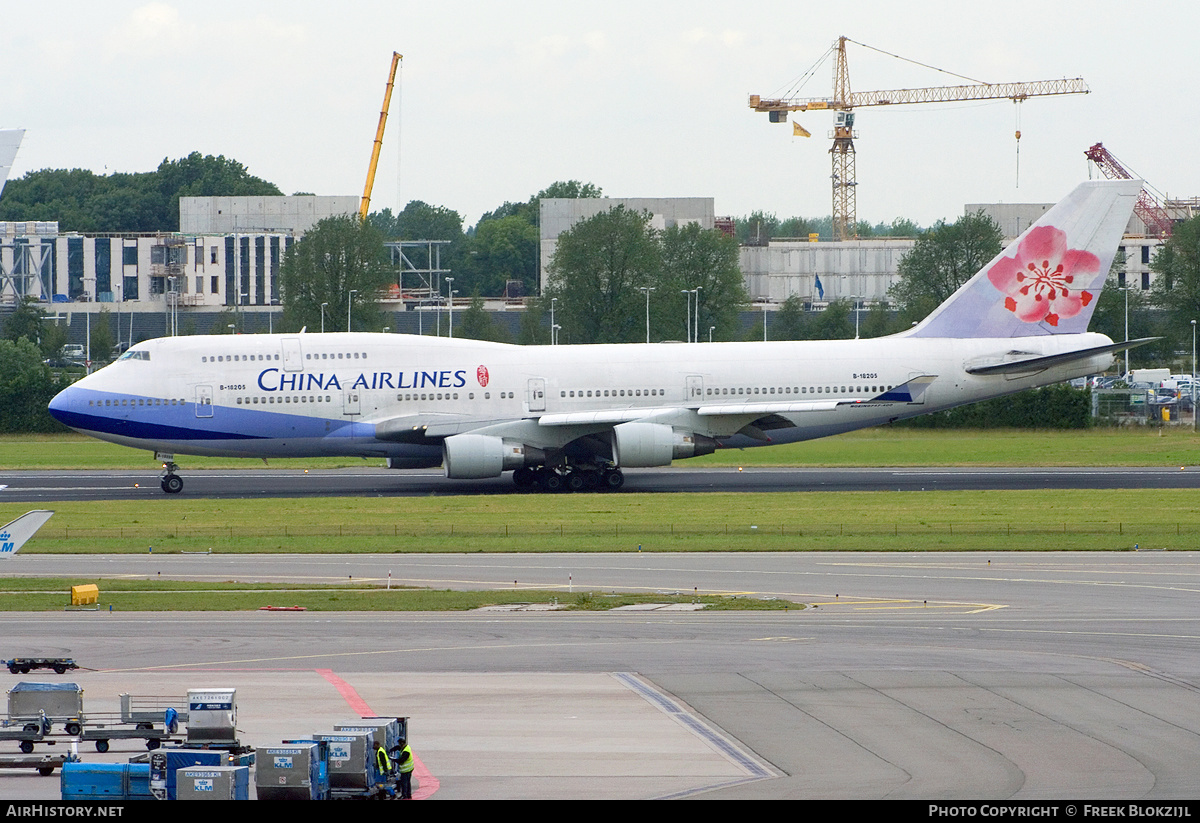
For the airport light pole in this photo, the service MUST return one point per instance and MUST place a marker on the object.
(1195, 427)
(696, 325)
(349, 301)
(323, 305)
(450, 302)
(646, 291)
(856, 299)
(687, 315)
(553, 336)
(1126, 290)
(554, 327)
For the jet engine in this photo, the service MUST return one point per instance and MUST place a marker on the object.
(473, 456)
(641, 445)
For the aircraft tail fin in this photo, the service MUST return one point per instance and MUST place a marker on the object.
(10, 141)
(13, 535)
(1048, 279)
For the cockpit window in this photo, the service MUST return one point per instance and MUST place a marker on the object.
(134, 355)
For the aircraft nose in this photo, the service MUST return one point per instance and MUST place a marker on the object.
(63, 405)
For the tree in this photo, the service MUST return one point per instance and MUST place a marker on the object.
(880, 321)
(477, 324)
(121, 202)
(756, 229)
(789, 322)
(1177, 289)
(835, 323)
(340, 259)
(534, 328)
(100, 340)
(26, 386)
(421, 221)
(942, 259)
(696, 258)
(597, 269)
(25, 321)
(529, 210)
(501, 250)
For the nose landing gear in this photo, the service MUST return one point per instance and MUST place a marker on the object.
(171, 482)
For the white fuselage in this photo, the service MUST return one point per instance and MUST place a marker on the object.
(399, 395)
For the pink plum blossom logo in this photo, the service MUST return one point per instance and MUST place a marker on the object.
(1039, 283)
(481, 374)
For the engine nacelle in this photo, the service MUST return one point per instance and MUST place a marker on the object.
(473, 456)
(642, 445)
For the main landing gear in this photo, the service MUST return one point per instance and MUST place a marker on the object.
(171, 482)
(569, 478)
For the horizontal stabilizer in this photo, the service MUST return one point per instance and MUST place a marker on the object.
(14, 534)
(1036, 364)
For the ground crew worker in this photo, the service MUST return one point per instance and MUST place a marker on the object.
(404, 762)
(383, 763)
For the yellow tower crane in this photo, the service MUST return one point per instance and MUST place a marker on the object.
(387, 101)
(844, 101)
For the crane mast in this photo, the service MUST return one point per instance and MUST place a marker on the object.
(1158, 222)
(843, 101)
(387, 101)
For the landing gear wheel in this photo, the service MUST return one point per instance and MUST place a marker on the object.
(576, 482)
(613, 479)
(550, 480)
(172, 484)
(525, 478)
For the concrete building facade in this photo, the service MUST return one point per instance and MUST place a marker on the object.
(820, 273)
(231, 215)
(149, 270)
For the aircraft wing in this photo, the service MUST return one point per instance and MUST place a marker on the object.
(910, 392)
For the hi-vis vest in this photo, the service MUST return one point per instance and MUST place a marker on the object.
(406, 763)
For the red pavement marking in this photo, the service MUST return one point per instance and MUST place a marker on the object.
(427, 783)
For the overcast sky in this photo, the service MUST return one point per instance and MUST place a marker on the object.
(645, 99)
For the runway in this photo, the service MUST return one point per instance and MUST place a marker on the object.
(41, 486)
(911, 675)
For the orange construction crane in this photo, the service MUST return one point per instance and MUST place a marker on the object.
(1148, 207)
(844, 101)
(387, 101)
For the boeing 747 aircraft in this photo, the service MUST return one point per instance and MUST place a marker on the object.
(574, 416)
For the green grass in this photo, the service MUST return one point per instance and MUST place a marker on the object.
(892, 446)
(53, 594)
(717, 521)
(883, 446)
(801, 521)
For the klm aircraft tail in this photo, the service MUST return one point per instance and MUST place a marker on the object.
(1048, 279)
(10, 141)
(14, 534)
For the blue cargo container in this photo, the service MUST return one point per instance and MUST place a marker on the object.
(105, 781)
